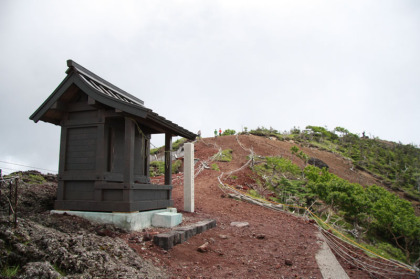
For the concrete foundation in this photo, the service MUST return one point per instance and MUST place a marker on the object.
(166, 219)
(133, 221)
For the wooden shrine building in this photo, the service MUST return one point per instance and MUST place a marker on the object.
(105, 145)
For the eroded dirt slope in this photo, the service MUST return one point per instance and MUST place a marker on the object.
(274, 245)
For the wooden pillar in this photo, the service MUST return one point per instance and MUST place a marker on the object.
(168, 159)
(101, 148)
(101, 161)
(146, 157)
(61, 164)
(128, 157)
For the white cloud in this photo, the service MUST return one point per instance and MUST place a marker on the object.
(211, 64)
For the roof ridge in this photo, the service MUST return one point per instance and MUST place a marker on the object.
(85, 72)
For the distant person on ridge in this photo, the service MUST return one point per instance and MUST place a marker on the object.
(220, 132)
(215, 133)
(199, 134)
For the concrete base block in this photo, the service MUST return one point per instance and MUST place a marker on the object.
(166, 219)
(133, 221)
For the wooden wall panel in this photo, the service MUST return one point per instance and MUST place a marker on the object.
(115, 148)
(78, 190)
(112, 195)
(84, 116)
(81, 148)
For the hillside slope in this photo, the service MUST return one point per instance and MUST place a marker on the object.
(275, 243)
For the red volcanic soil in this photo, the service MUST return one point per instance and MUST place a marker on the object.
(274, 244)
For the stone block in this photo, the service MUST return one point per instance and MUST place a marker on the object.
(205, 225)
(186, 231)
(193, 229)
(182, 234)
(166, 219)
(166, 240)
(200, 228)
(181, 237)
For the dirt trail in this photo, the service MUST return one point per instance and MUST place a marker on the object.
(274, 245)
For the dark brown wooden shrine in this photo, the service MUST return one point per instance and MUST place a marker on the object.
(105, 144)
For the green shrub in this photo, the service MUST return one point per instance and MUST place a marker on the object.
(176, 165)
(228, 132)
(383, 214)
(155, 150)
(178, 143)
(295, 131)
(225, 156)
(215, 167)
(36, 179)
(157, 168)
(387, 250)
(388, 216)
(254, 193)
(281, 165)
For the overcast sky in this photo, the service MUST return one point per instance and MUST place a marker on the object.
(216, 64)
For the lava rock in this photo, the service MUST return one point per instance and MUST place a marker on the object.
(203, 248)
(239, 224)
(288, 262)
(317, 163)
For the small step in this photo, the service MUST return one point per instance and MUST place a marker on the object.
(179, 235)
(166, 219)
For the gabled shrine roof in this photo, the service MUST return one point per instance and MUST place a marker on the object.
(101, 85)
(107, 94)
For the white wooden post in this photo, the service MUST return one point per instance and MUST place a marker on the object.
(189, 177)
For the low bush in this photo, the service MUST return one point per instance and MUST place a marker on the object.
(157, 168)
(225, 156)
(215, 167)
(228, 132)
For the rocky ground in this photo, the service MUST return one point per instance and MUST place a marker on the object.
(53, 246)
(269, 244)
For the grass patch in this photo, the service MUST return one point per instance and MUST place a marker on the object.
(177, 144)
(59, 270)
(176, 166)
(36, 179)
(254, 194)
(225, 156)
(215, 167)
(387, 251)
(157, 168)
(154, 151)
(9, 271)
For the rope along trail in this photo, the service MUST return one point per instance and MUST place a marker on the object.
(198, 168)
(372, 266)
(369, 264)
